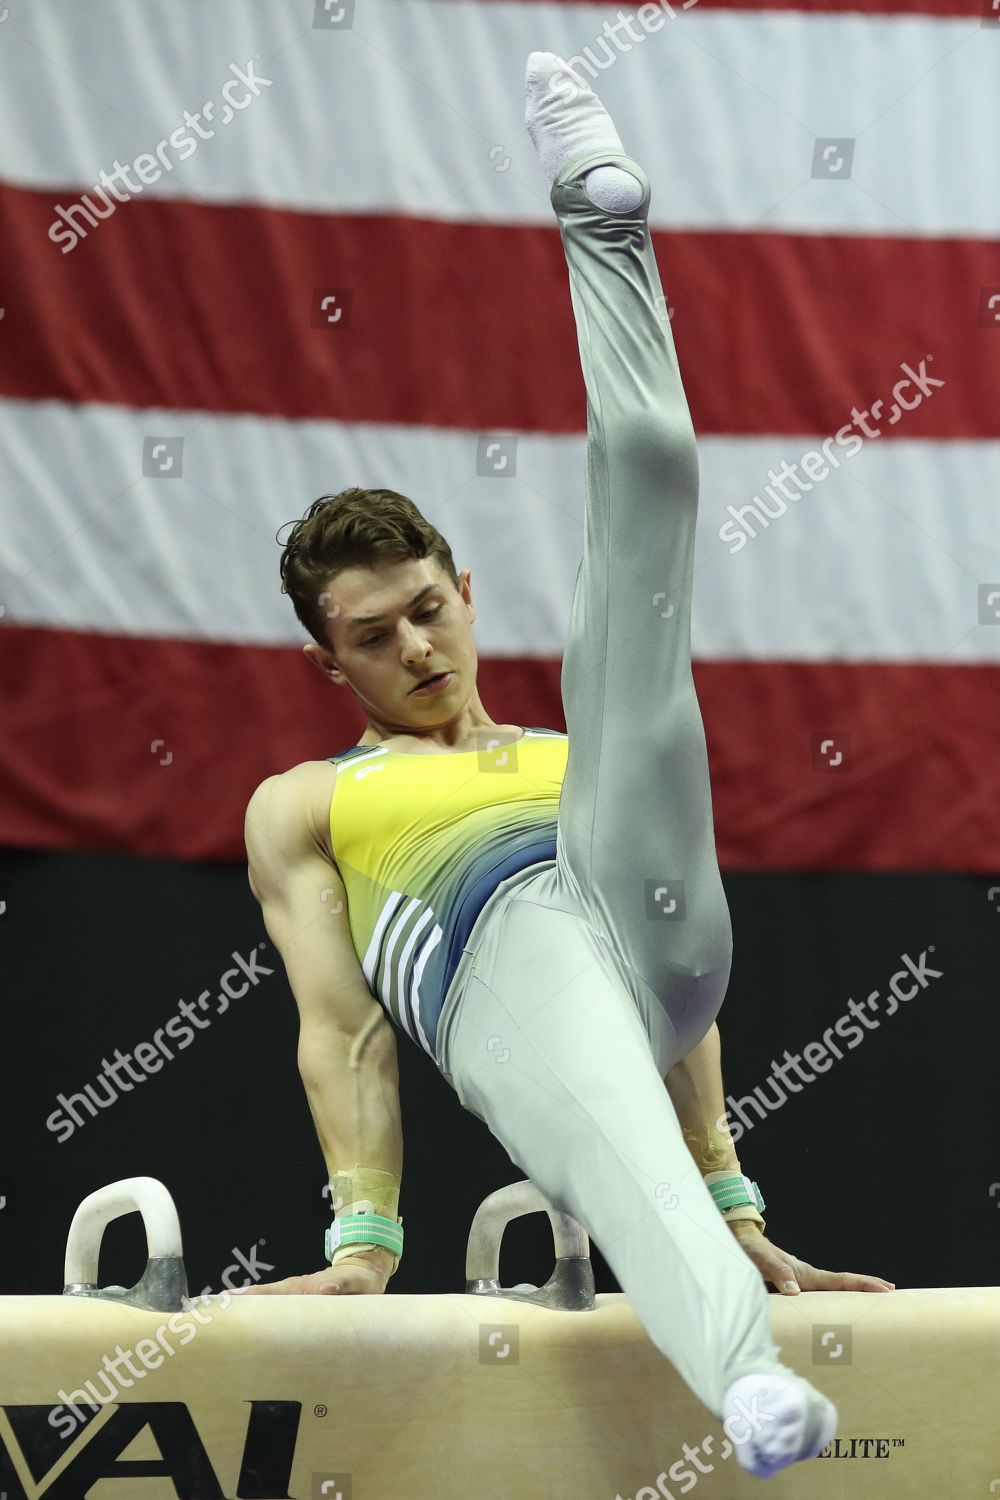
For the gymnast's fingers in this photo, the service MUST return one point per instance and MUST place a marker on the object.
(349, 1277)
(814, 1280)
(293, 1284)
(854, 1281)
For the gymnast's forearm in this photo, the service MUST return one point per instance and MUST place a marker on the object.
(696, 1091)
(352, 1086)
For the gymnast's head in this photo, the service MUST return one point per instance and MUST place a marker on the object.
(375, 585)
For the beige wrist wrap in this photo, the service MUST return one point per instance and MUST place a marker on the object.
(714, 1152)
(364, 1190)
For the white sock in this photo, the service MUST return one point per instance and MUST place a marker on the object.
(565, 118)
(779, 1420)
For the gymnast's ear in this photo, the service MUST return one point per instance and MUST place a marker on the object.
(465, 585)
(324, 661)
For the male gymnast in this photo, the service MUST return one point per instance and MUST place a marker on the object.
(541, 912)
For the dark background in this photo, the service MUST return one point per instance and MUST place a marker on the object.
(883, 1165)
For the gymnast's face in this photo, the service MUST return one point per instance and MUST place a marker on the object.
(392, 626)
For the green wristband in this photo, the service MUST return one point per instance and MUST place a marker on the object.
(365, 1228)
(734, 1190)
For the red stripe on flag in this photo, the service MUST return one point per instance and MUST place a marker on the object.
(951, 9)
(154, 746)
(836, 765)
(188, 306)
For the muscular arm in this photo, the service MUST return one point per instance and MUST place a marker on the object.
(695, 1087)
(696, 1091)
(346, 1047)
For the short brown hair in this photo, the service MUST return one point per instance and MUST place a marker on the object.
(356, 528)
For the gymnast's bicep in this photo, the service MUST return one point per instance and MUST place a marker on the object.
(304, 906)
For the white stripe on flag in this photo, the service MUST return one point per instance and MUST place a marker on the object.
(884, 560)
(418, 107)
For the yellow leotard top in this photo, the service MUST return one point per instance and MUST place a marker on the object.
(422, 842)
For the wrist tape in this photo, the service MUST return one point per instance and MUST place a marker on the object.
(735, 1196)
(712, 1149)
(365, 1202)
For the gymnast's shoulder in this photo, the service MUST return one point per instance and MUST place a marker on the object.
(287, 820)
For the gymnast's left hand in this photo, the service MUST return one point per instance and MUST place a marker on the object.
(790, 1275)
(359, 1276)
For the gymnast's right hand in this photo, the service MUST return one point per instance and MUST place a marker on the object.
(364, 1274)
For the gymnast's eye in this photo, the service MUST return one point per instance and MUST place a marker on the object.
(373, 640)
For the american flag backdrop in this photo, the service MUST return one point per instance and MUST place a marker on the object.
(324, 256)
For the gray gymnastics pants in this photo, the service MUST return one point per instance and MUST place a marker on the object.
(583, 982)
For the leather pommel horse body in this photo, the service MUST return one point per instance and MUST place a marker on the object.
(488, 1394)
